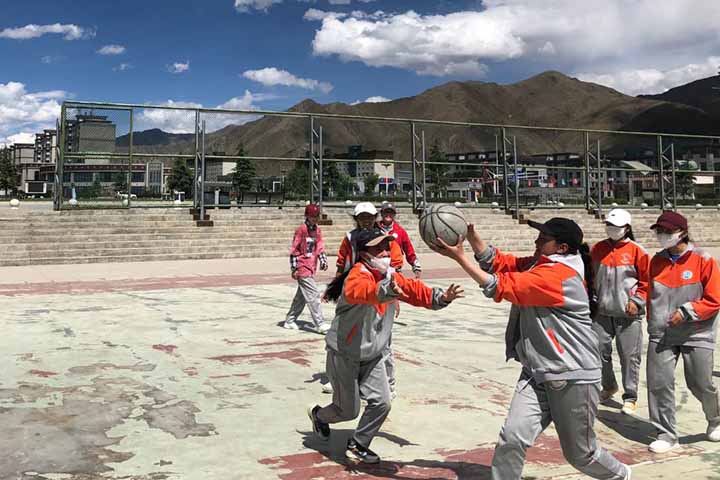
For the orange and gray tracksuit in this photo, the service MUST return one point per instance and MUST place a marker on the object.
(689, 284)
(347, 254)
(357, 341)
(552, 337)
(621, 271)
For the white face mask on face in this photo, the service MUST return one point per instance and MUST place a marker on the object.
(381, 264)
(669, 240)
(614, 233)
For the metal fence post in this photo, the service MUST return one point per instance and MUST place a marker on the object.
(517, 180)
(413, 162)
(660, 160)
(196, 172)
(672, 166)
(130, 158)
(60, 165)
(588, 192)
(423, 159)
(320, 168)
(201, 183)
(506, 193)
(599, 183)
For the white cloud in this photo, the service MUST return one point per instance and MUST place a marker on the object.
(247, 6)
(22, 112)
(183, 121)
(22, 137)
(179, 67)
(69, 31)
(638, 81)
(122, 67)
(270, 76)
(111, 50)
(375, 99)
(654, 33)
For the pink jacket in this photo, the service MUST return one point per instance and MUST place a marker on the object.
(307, 248)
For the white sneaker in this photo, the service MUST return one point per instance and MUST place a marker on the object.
(629, 408)
(323, 328)
(713, 432)
(628, 475)
(291, 326)
(327, 388)
(662, 446)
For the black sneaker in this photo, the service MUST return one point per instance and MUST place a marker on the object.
(321, 429)
(358, 452)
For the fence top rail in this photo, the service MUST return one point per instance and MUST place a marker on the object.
(335, 116)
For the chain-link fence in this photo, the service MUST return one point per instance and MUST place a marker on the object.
(128, 156)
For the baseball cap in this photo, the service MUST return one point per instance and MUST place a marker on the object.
(312, 210)
(563, 230)
(388, 206)
(371, 238)
(618, 217)
(364, 207)
(671, 221)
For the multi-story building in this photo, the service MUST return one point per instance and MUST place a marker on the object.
(88, 133)
(46, 146)
(362, 163)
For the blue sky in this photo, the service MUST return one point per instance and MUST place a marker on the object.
(270, 54)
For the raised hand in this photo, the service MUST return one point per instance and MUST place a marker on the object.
(397, 289)
(456, 252)
(473, 237)
(453, 292)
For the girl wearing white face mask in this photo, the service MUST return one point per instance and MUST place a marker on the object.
(620, 285)
(684, 300)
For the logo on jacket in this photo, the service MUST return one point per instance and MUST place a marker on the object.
(687, 275)
(625, 259)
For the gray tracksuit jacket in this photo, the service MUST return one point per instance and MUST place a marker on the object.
(550, 332)
(621, 272)
(366, 310)
(690, 284)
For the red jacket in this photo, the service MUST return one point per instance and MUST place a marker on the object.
(403, 239)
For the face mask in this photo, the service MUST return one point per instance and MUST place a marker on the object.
(380, 264)
(615, 233)
(669, 240)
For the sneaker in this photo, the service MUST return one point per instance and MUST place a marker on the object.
(321, 429)
(628, 474)
(362, 454)
(713, 432)
(629, 407)
(606, 395)
(291, 326)
(323, 328)
(327, 388)
(662, 446)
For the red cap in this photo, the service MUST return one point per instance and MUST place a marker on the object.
(670, 221)
(312, 210)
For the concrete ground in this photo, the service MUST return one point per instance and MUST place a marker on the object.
(180, 370)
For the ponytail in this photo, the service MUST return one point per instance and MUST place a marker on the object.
(335, 287)
(584, 252)
(629, 233)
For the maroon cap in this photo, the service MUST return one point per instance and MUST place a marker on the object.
(312, 210)
(670, 221)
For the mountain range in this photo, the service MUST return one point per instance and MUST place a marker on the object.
(550, 99)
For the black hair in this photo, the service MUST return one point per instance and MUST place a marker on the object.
(584, 252)
(629, 233)
(335, 287)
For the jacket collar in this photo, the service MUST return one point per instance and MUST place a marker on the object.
(666, 254)
(309, 226)
(573, 261)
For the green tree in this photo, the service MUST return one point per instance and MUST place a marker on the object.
(243, 175)
(371, 181)
(335, 182)
(181, 178)
(436, 172)
(120, 182)
(8, 175)
(297, 180)
(94, 190)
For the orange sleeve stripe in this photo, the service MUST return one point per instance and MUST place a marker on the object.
(709, 304)
(361, 287)
(542, 286)
(416, 293)
(343, 253)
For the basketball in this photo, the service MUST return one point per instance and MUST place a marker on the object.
(442, 221)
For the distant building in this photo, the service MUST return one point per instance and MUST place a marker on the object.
(90, 133)
(361, 163)
(46, 146)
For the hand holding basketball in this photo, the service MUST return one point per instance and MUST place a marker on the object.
(473, 237)
(456, 252)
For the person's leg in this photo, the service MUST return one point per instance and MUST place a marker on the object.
(574, 408)
(390, 367)
(528, 416)
(344, 376)
(604, 327)
(312, 299)
(375, 390)
(698, 364)
(629, 345)
(296, 308)
(661, 362)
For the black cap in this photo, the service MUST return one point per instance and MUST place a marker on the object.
(563, 230)
(371, 238)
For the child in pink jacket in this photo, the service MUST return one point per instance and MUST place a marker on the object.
(307, 248)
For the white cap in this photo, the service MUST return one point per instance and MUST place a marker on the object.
(618, 217)
(365, 207)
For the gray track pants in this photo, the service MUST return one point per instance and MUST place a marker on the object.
(627, 333)
(307, 294)
(698, 365)
(572, 407)
(351, 381)
(390, 365)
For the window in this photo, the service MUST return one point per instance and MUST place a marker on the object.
(106, 177)
(138, 177)
(83, 177)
